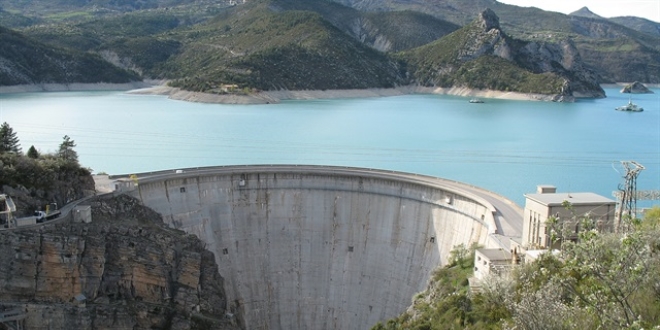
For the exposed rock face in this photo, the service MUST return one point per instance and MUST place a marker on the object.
(488, 20)
(562, 58)
(134, 272)
(636, 88)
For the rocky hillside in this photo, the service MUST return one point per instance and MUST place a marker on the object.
(387, 31)
(616, 49)
(481, 55)
(259, 46)
(125, 270)
(26, 61)
(237, 47)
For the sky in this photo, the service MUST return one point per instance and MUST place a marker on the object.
(649, 9)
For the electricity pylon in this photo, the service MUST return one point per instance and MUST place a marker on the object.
(628, 192)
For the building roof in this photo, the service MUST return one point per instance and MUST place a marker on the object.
(573, 198)
(495, 254)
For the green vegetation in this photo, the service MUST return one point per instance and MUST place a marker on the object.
(448, 302)
(408, 29)
(38, 179)
(66, 151)
(600, 281)
(284, 44)
(14, 20)
(455, 60)
(495, 73)
(31, 62)
(9, 142)
(265, 50)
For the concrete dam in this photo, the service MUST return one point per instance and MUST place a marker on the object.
(317, 247)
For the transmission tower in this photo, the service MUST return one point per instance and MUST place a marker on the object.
(628, 191)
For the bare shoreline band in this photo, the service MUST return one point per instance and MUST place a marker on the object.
(266, 97)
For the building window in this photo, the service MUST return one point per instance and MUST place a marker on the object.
(225, 251)
(350, 249)
(182, 189)
(432, 240)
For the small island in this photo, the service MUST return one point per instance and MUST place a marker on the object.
(636, 88)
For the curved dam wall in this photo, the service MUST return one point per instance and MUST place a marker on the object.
(319, 247)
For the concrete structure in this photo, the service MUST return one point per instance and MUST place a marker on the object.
(548, 203)
(312, 247)
(492, 261)
(82, 213)
(26, 221)
(7, 208)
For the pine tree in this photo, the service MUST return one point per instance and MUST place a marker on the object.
(33, 153)
(8, 140)
(66, 151)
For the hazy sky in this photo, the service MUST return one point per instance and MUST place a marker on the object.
(649, 9)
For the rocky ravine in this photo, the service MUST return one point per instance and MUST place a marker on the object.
(135, 273)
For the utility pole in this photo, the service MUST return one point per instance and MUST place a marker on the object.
(628, 205)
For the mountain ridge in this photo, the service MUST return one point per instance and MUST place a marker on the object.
(282, 45)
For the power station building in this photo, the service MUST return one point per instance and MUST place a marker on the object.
(569, 214)
(547, 215)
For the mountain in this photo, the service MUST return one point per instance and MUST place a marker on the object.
(638, 24)
(388, 31)
(26, 61)
(584, 12)
(260, 46)
(480, 55)
(210, 46)
(614, 49)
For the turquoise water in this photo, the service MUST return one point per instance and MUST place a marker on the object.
(505, 146)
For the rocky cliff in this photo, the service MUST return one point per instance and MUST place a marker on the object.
(125, 270)
(482, 56)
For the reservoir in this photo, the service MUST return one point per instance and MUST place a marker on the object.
(504, 146)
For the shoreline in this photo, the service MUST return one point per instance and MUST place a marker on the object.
(75, 87)
(270, 97)
(267, 97)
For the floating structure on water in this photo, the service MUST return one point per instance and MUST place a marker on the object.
(630, 107)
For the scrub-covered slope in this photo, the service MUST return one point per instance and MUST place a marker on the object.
(481, 55)
(25, 61)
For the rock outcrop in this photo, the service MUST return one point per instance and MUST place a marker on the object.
(636, 88)
(482, 56)
(125, 270)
